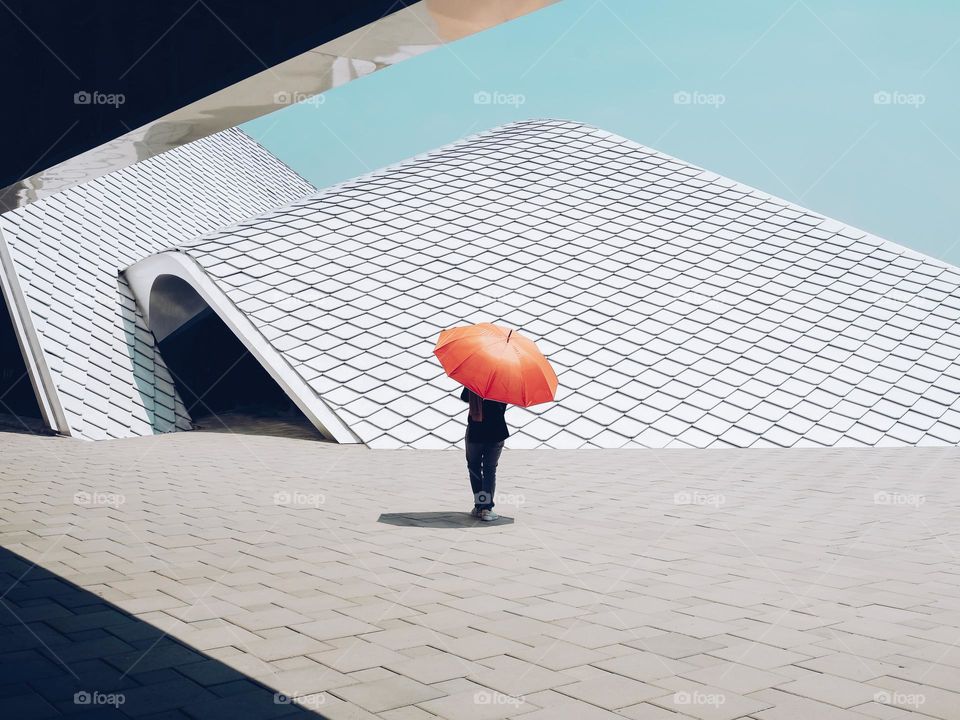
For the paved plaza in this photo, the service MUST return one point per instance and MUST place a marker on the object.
(209, 575)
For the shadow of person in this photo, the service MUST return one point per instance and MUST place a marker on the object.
(439, 520)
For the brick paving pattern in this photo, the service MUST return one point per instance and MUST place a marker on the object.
(198, 574)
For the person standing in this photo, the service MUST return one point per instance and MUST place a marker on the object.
(486, 431)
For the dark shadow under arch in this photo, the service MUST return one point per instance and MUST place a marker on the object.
(19, 409)
(220, 382)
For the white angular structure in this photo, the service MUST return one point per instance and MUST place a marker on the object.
(92, 361)
(679, 308)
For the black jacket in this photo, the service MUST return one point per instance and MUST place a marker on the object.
(493, 427)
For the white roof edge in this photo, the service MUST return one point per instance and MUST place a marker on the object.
(44, 388)
(866, 234)
(736, 184)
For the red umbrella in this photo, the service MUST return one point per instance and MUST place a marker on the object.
(497, 364)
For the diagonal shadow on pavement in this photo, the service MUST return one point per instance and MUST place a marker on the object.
(64, 650)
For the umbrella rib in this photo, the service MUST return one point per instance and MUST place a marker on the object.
(490, 373)
(456, 367)
(523, 381)
(465, 358)
(543, 372)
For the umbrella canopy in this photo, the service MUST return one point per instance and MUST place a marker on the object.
(497, 364)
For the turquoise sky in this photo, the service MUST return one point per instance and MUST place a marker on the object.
(783, 95)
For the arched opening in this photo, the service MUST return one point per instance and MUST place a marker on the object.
(19, 409)
(224, 387)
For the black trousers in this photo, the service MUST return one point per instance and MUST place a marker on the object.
(482, 459)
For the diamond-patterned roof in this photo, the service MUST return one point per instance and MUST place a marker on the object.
(68, 249)
(679, 308)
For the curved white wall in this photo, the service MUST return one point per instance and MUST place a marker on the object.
(144, 277)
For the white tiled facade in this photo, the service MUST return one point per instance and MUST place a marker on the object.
(678, 307)
(68, 250)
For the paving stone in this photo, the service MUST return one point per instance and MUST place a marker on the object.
(479, 704)
(644, 666)
(852, 667)
(939, 675)
(646, 711)
(588, 635)
(572, 711)
(673, 645)
(210, 672)
(758, 655)
(358, 655)
(251, 704)
(388, 693)
(411, 712)
(916, 697)
(433, 668)
(709, 703)
(306, 680)
(287, 645)
(222, 635)
(611, 692)
(831, 689)
(406, 636)
(549, 611)
(514, 677)
(162, 655)
(269, 618)
(28, 705)
(168, 695)
(477, 646)
(791, 707)
(557, 655)
(739, 679)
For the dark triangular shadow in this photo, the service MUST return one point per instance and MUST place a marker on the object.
(65, 651)
(439, 520)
